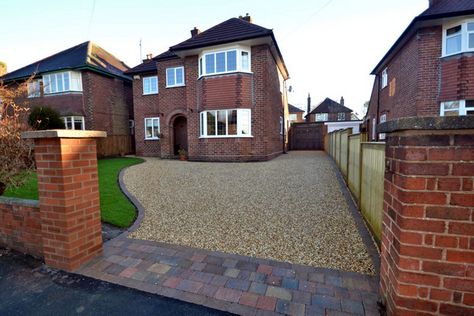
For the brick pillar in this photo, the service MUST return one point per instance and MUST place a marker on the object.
(427, 251)
(66, 163)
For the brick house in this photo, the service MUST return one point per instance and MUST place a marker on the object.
(295, 114)
(330, 111)
(220, 95)
(89, 89)
(429, 70)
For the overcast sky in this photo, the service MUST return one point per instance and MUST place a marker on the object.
(330, 46)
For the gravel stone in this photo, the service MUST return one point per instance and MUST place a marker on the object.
(289, 209)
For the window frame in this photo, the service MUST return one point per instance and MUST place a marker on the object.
(464, 33)
(203, 124)
(341, 116)
(461, 110)
(384, 78)
(74, 79)
(150, 92)
(202, 72)
(175, 85)
(325, 117)
(73, 119)
(154, 136)
(34, 88)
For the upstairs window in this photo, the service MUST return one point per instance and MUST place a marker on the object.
(225, 61)
(341, 116)
(322, 117)
(458, 38)
(150, 85)
(175, 77)
(384, 79)
(68, 81)
(225, 123)
(34, 88)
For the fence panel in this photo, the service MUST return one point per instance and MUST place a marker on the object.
(337, 153)
(372, 186)
(115, 145)
(344, 151)
(353, 174)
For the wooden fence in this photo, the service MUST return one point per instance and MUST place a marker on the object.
(115, 145)
(363, 165)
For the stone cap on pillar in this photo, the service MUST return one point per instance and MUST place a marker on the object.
(427, 123)
(62, 133)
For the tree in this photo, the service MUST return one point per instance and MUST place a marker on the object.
(15, 153)
(44, 117)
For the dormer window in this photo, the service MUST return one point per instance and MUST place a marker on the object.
(224, 61)
(322, 117)
(458, 38)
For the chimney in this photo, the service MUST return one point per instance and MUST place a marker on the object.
(247, 18)
(195, 31)
(309, 108)
(342, 101)
(3, 68)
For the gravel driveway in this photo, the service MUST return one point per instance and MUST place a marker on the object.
(289, 209)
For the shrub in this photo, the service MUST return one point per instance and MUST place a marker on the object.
(15, 153)
(44, 117)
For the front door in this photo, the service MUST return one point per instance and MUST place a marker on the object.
(180, 131)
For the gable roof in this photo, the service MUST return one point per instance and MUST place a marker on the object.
(294, 109)
(330, 106)
(439, 10)
(86, 55)
(232, 30)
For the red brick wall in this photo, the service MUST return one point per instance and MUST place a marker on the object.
(457, 75)
(427, 251)
(260, 92)
(20, 226)
(65, 104)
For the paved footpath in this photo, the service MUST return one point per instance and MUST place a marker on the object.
(233, 283)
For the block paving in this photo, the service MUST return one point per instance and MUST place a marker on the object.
(234, 283)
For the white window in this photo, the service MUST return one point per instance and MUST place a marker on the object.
(34, 88)
(458, 38)
(383, 119)
(341, 116)
(66, 81)
(224, 61)
(322, 117)
(384, 78)
(281, 125)
(455, 108)
(175, 77)
(226, 123)
(74, 122)
(150, 85)
(292, 117)
(152, 128)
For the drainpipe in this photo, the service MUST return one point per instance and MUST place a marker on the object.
(309, 108)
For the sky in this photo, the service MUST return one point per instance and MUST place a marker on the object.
(329, 46)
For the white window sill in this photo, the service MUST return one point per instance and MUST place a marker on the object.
(176, 86)
(153, 93)
(156, 138)
(227, 136)
(225, 73)
(458, 53)
(60, 93)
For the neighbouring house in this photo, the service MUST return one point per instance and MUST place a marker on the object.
(219, 96)
(295, 114)
(429, 69)
(330, 111)
(88, 87)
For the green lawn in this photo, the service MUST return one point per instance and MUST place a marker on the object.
(115, 208)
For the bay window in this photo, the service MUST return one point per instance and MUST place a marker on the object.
(152, 128)
(66, 81)
(455, 108)
(458, 38)
(225, 123)
(224, 61)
